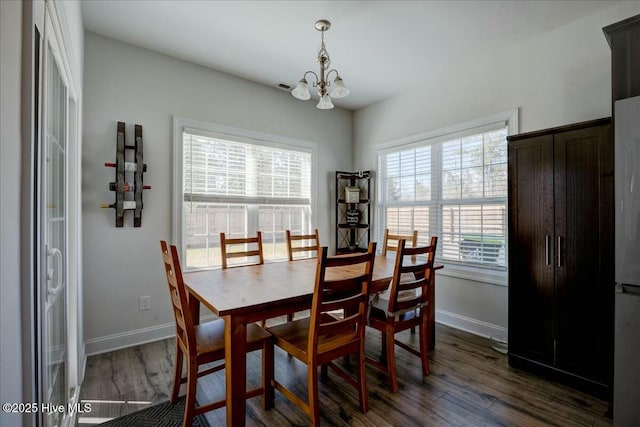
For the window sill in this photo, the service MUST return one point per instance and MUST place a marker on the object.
(493, 277)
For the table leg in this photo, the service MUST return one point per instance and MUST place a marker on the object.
(236, 369)
(194, 308)
(432, 307)
(432, 312)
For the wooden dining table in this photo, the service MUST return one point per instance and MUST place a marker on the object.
(242, 295)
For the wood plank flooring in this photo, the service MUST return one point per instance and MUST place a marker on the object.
(470, 385)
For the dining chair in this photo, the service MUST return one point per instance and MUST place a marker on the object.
(297, 243)
(226, 244)
(406, 307)
(228, 249)
(341, 283)
(204, 343)
(390, 242)
(313, 244)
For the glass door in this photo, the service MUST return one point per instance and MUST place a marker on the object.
(54, 242)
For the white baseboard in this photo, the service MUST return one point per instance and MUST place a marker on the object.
(473, 326)
(121, 340)
(126, 339)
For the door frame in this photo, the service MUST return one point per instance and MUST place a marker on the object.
(33, 50)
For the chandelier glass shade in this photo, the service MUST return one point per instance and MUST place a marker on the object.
(326, 89)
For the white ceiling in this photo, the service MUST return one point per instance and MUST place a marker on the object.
(380, 48)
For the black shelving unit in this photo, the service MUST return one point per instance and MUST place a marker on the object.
(353, 228)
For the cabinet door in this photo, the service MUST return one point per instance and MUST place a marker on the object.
(584, 259)
(530, 248)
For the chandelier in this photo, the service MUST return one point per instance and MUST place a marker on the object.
(338, 90)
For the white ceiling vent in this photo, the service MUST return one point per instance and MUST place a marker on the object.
(283, 86)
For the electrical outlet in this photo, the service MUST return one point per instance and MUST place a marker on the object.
(144, 303)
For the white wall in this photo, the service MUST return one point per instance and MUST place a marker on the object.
(10, 154)
(134, 85)
(559, 78)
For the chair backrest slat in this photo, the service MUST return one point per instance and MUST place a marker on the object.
(226, 244)
(340, 326)
(412, 268)
(348, 301)
(243, 254)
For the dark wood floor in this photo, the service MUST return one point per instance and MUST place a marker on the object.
(470, 385)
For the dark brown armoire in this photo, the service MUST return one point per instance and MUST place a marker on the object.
(561, 254)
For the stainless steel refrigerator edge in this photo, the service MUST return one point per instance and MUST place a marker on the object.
(626, 390)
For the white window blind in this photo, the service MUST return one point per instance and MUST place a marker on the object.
(240, 188)
(453, 187)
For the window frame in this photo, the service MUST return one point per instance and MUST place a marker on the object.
(245, 136)
(509, 118)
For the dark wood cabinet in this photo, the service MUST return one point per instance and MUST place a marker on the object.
(624, 39)
(561, 253)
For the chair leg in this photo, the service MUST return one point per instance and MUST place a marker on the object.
(267, 375)
(383, 348)
(312, 385)
(190, 404)
(346, 360)
(177, 373)
(289, 317)
(424, 346)
(391, 359)
(324, 372)
(413, 328)
(362, 381)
